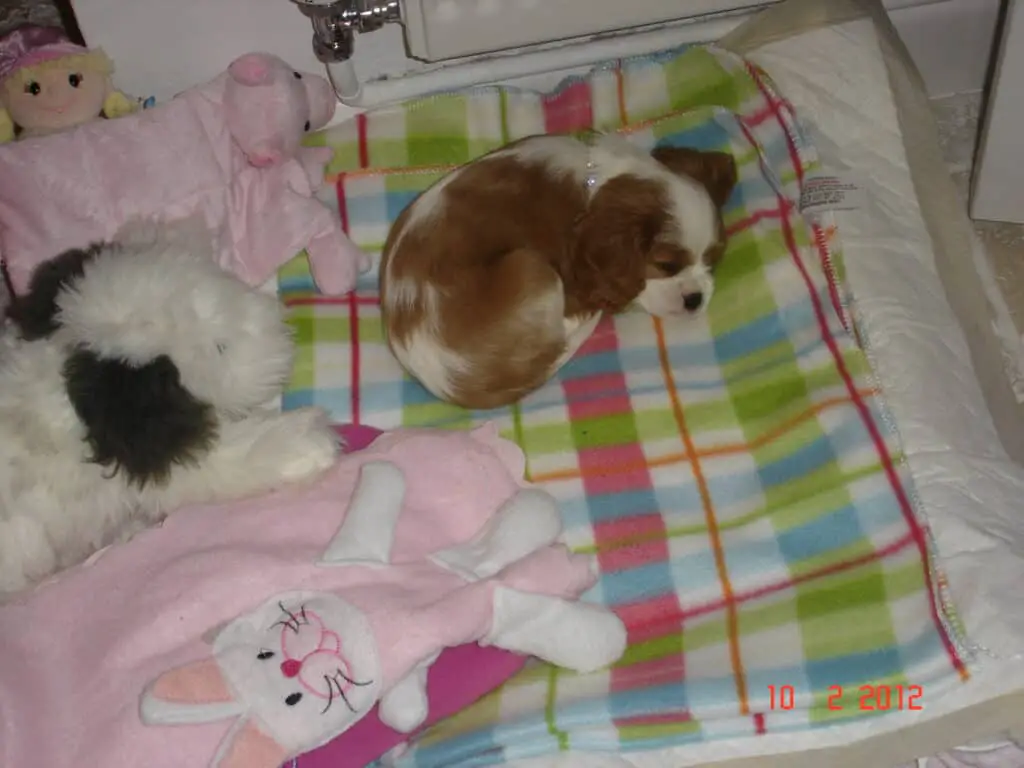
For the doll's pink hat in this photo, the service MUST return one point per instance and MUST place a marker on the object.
(28, 45)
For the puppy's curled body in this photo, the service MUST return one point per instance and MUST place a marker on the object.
(493, 277)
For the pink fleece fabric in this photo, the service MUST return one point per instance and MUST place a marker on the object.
(78, 652)
(458, 678)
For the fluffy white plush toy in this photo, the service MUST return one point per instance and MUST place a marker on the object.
(134, 379)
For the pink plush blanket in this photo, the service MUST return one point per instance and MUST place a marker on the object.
(243, 634)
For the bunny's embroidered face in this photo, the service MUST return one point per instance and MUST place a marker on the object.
(303, 656)
(299, 670)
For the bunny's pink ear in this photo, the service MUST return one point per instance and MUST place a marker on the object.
(194, 693)
(251, 69)
(246, 746)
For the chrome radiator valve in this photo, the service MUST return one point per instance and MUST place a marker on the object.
(335, 23)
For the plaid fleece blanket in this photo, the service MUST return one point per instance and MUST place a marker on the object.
(737, 475)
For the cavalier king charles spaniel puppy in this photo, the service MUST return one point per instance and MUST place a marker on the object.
(493, 277)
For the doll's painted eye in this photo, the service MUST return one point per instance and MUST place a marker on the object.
(33, 88)
(298, 75)
(306, 126)
(264, 655)
(75, 79)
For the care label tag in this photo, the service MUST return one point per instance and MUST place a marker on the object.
(831, 192)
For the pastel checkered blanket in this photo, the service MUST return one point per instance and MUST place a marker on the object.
(737, 475)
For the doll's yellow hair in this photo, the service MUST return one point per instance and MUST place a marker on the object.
(88, 61)
(6, 127)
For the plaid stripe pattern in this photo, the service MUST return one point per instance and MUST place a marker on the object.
(737, 476)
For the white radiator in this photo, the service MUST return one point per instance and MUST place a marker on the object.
(162, 47)
(444, 29)
(476, 41)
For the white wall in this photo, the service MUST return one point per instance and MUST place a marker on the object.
(163, 46)
(999, 172)
(951, 42)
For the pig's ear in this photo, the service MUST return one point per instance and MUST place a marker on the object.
(251, 69)
(246, 746)
(194, 693)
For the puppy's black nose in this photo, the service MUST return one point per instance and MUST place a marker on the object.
(692, 301)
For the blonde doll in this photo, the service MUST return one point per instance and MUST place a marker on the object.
(49, 84)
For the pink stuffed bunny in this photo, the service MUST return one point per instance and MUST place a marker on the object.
(230, 150)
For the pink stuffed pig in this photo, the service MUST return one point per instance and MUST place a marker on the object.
(229, 151)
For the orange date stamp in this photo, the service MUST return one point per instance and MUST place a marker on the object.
(869, 698)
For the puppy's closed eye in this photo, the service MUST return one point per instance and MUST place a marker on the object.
(668, 261)
(668, 267)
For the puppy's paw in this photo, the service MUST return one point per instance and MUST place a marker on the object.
(307, 446)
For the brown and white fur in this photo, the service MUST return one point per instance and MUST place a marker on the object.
(493, 277)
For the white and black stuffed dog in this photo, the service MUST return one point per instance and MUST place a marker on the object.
(135, 377)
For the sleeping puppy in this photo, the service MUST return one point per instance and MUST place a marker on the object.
(133, 380)
(493, 277)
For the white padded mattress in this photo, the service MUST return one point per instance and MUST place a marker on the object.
(846, 78)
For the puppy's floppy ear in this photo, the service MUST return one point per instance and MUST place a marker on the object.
(715, 170)
(138, 419)
(34, 313)
(613, 240)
